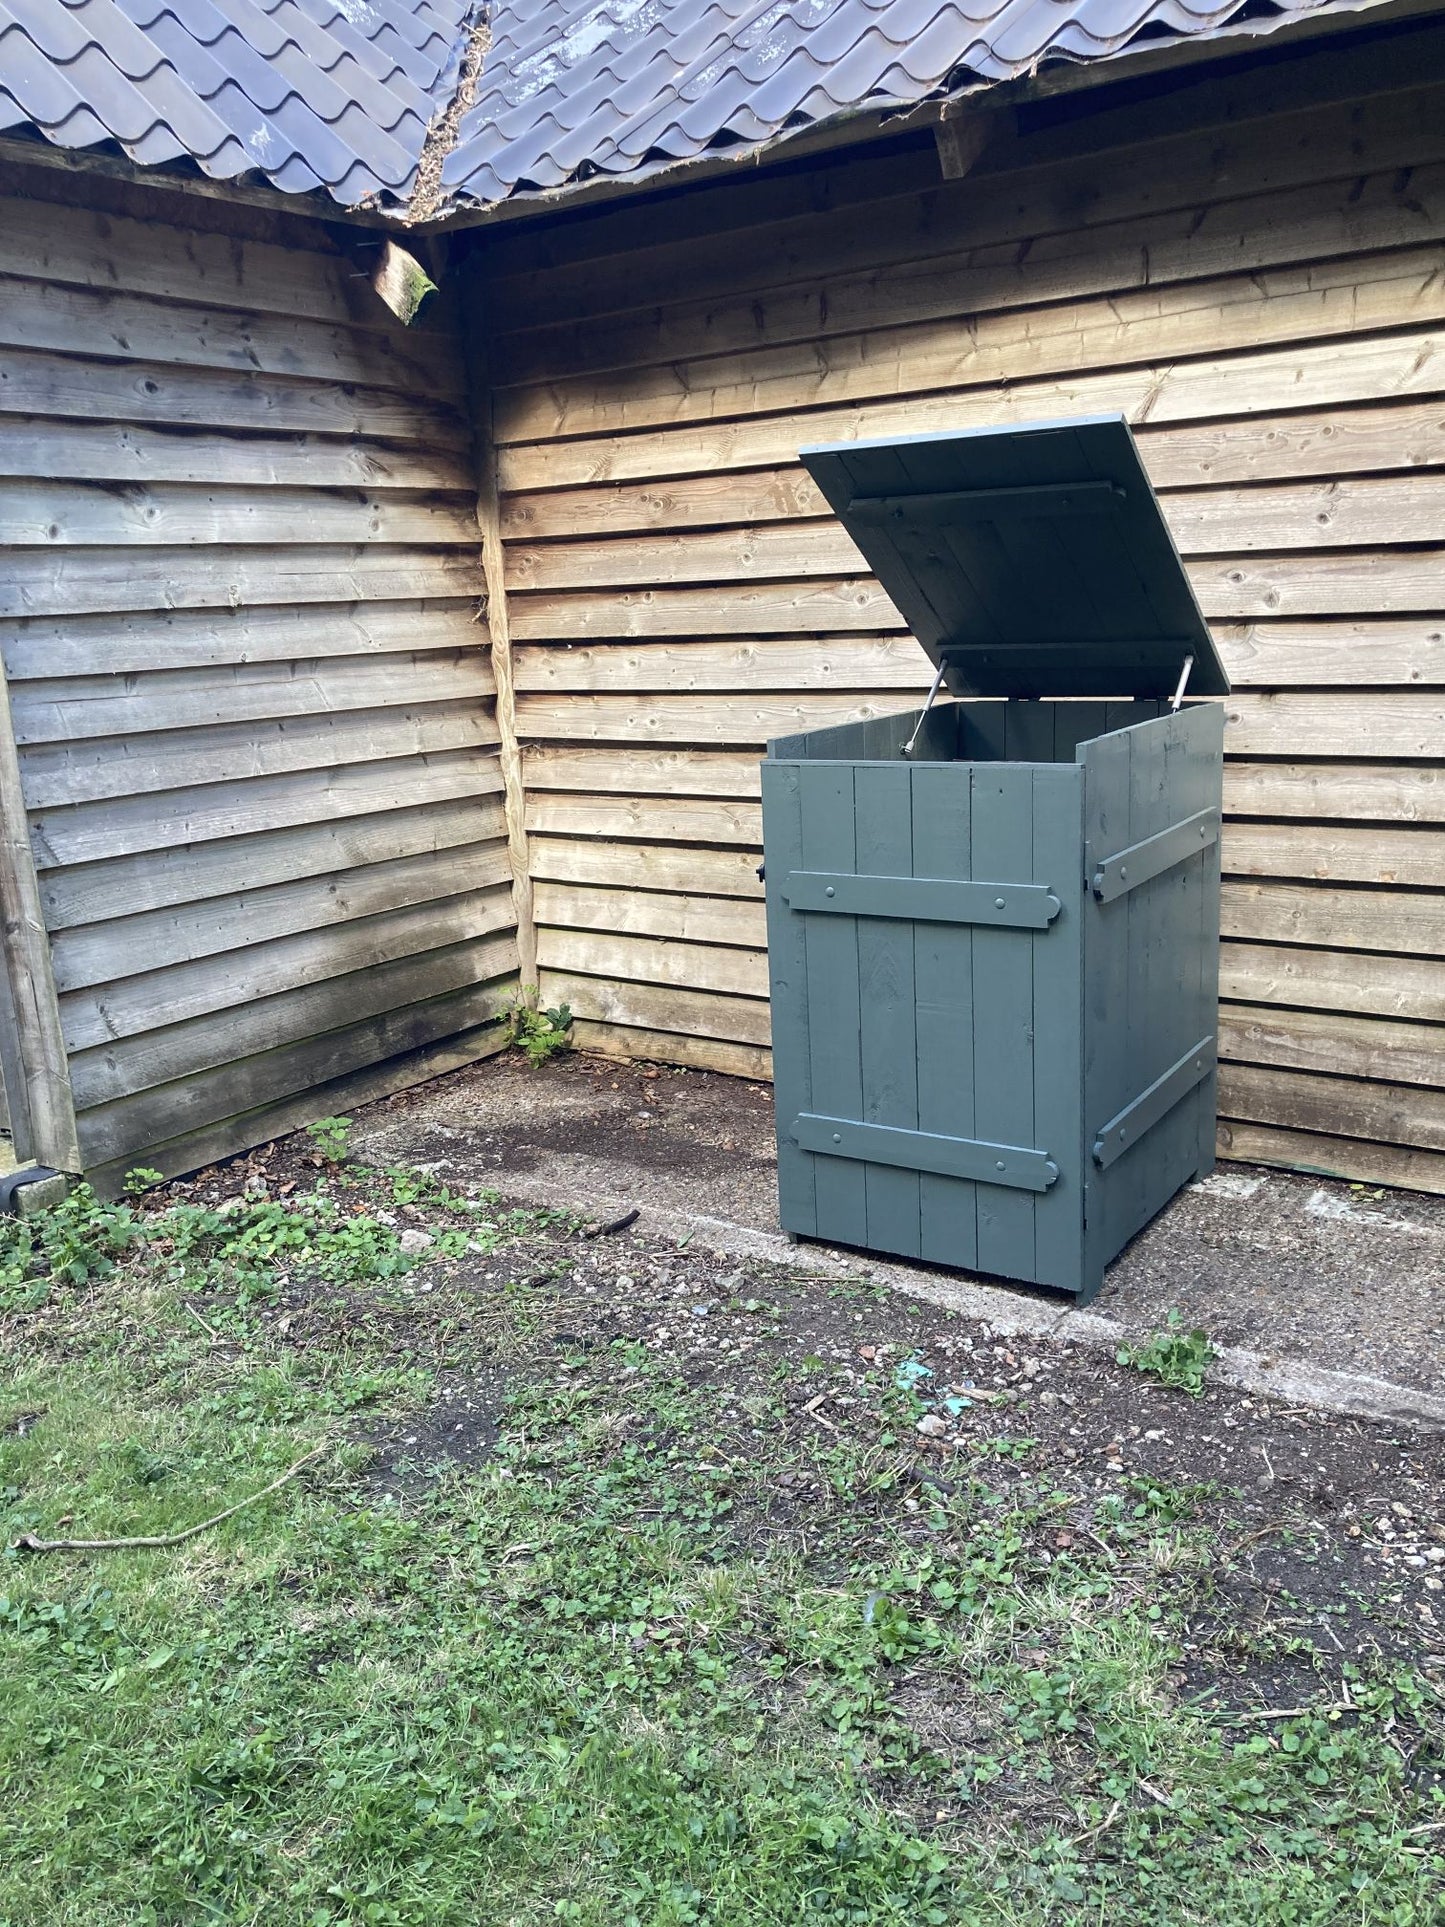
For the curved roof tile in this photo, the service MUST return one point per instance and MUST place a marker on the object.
(338, 95)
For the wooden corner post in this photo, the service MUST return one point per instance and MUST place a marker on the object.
(36, 1070)
(489, 525)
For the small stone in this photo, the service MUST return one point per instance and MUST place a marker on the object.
(932, 1426)
(412, 1241)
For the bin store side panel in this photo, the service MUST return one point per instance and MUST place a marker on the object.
(1151, 968)
(788, 972)
(961, 1031)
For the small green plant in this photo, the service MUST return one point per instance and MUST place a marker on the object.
(332, 1138)
(540, 1034)
(1175, 1356)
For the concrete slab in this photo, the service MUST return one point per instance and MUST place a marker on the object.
(1333, 1289)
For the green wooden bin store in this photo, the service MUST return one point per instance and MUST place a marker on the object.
(993, 924)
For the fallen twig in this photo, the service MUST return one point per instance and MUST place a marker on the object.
(27, 1542)
(1289, 1712)
(1100, 1826)
(209, 1330)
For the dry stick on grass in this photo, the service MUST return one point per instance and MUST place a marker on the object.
(27, 1542)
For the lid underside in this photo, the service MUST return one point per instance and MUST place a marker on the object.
(1032, 561)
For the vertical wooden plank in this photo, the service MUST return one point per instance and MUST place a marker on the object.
(983, 731)
(500, 631)
(1030, 732)
(1151, 994)
(788, 979)
(1003, 1011)
(1058, 1025)
(888, 1041)
(1205, 723)
(1107, 1072)
(943, 992)
(37, 1071)
(826, 820)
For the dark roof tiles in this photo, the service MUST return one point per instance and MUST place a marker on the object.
(338, 95)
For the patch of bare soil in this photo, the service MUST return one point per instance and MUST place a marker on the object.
(1328, 1533)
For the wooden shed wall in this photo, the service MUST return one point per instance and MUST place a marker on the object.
(252, 703)
(1251, 269)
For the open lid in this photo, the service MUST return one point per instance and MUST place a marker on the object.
(1031, 561)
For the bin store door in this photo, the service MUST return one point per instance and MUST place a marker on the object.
(924, 941)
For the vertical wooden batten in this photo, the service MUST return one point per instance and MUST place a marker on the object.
(36, 1071)
(489, 526)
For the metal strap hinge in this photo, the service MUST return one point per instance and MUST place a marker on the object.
(1126, 1127)
(1116, 875)
(1012, 1165)
(1021, 906)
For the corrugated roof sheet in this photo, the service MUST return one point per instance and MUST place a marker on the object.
(337, 95)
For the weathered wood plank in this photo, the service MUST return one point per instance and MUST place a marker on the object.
(1342, 1045)
(141, 640)
(37, 383)
(646, 866)
(815, 662)
(311, 861)
(682, 820)
(87, 248)
(652, 1007)
(1382, 792)
(1370, 986)
(631, 1043)
(1410, 922)
(1238, 590)
(78, 708)
(35, 1067)
(653, 960)
(206, 1144)
(85, 581)
(1335, 853)
(1352, 296)
(744, 718)
(1334, 724)
(1271, 655)
(1325, 375)
(663, 772)
(59, 775)
(124, 327)
(1180, 244)
(646, 913)
(182, 933)
(190, 1050)
(60, 514)
(1006, 200)
(1349, 1107)
(114, 1132)
(101, 451)
(125, 826)
(130, 1006)
(1392, 724)
(1333, 1156)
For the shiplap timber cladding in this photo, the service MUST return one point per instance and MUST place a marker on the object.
(251, 702)
(1248, 268)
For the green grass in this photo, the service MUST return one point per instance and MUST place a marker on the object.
(597, 1678)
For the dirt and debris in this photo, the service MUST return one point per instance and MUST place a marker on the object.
(1329, 1274)
(1329, 1531)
